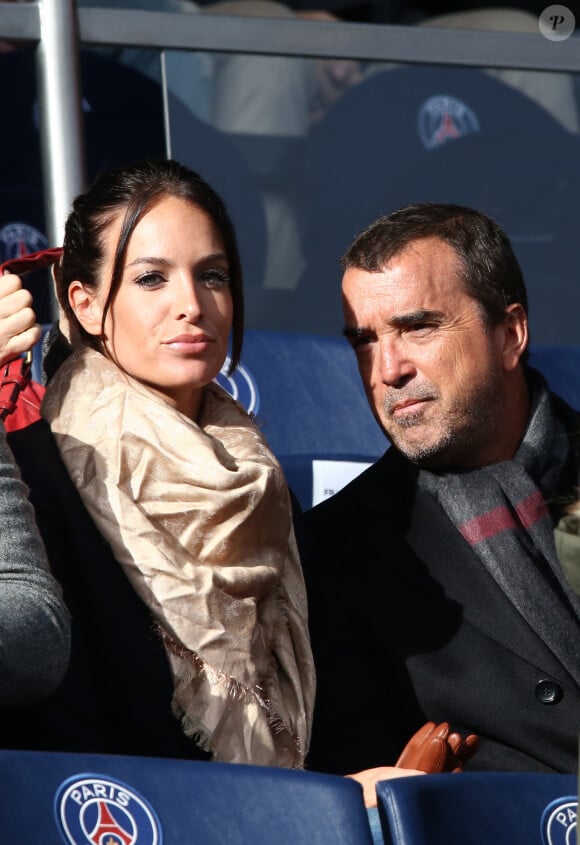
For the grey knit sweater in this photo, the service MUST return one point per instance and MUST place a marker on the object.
(34, 622)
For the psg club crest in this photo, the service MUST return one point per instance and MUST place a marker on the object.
(98, 810)
(241, 385)
(442, 119)
(18, 239)
(559, 822)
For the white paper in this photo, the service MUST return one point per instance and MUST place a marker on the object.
(328, 477)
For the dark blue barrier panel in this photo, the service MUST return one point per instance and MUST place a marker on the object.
(307, 396)
(308, 399)
(561, 367)
(84, 799)
(479, 808)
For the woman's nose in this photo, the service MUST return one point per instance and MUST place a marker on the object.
(188, 300)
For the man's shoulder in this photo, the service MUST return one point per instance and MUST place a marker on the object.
(375, 487)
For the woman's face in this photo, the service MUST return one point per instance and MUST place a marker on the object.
(169, 323)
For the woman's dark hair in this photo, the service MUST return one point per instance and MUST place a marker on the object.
(136, 189)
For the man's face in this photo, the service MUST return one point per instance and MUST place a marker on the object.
(433, 370)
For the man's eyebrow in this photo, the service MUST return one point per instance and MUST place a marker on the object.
(415, 317)
(402, 321)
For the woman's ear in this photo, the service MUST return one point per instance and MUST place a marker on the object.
(86, 306)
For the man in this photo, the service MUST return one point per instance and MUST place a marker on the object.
(435, 590)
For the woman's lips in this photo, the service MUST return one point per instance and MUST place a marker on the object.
(189, 342)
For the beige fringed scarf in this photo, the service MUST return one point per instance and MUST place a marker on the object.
(198, 515)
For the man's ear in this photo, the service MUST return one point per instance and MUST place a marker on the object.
(516, 336)
(86, 306)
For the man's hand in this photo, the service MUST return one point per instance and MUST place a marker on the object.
(434, 749)
(19, 330)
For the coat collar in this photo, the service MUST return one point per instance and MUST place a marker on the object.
(432, 553)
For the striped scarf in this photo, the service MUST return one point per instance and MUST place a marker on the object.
(501, 511)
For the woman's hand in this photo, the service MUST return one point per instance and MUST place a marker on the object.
(19, 330)
(433, 748)
(369, 778)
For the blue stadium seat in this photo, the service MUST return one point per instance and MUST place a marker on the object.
(479, 808)
(308, 398)
(51, 798)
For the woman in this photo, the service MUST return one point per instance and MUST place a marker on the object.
(175, 475)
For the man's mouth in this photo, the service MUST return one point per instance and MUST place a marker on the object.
(409, 406)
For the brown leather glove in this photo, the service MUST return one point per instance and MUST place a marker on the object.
(433, 749)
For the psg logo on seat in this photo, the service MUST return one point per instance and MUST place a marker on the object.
(99, 810)
(559, 820)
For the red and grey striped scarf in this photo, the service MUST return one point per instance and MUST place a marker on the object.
(501, 510)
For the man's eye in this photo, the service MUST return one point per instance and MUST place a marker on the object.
(421, 328)
(215, 278)
(361, 341)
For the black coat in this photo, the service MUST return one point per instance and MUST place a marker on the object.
(407, 626)
(116, 695)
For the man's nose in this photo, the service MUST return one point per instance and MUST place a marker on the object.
(395, 364)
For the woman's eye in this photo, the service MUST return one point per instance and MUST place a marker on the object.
(150, 280)
(214, 278)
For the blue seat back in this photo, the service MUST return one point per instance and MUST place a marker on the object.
(143, 801)
(479, 808)
(308, 398)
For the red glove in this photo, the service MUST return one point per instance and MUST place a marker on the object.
(22, 264)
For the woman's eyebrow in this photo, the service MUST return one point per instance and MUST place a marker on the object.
(145, 259)
(167, 262)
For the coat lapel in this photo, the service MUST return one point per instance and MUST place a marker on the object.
(437, 559)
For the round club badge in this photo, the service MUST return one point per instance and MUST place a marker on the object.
(99, 810)
(559, 821)
(241, 385)
(442, 118)
(19, 239)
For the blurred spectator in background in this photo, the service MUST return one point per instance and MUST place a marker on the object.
(34, 622)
